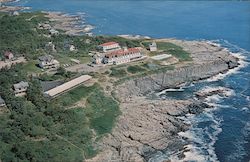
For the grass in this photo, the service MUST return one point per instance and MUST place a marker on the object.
(117, 72)
(31, 67)
(76, 95)
(101, 111)
(135, 69)
(172, 49)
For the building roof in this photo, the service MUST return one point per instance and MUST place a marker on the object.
(48, 85)
(21, 85)
(1, 100)
(7, 53)
(68, 85)
(108, 44)
(153, 44)
(53, 31)
(122, 52)
(47, 58)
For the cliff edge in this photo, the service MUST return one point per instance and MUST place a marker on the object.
(147, 125)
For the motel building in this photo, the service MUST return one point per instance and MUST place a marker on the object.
(109, 46)
(122, 56)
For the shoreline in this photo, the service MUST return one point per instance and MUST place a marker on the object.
(175, 103)
(146, 125)
(70, 24)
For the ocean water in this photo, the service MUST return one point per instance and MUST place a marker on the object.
(220, 134)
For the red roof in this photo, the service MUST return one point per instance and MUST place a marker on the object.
(123, 52)
(108, 44)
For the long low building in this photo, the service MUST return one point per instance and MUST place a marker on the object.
(67, 86)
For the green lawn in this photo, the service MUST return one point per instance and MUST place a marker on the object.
(75, 95)
(135, 69)
(118, 72)
(31, 67)
(172, 49)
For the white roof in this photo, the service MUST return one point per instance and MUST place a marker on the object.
(68, 85)
(161, 57)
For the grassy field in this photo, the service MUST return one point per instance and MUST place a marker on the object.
(135, 69)
(31, 67)
(75, 95)
(172, 49)
(118, 72)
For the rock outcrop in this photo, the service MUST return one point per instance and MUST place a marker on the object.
(148, 125)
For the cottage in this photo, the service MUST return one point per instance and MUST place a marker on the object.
(50, 46)
(48, 62)
(123, 56)
(45, 26)
(8, 55)
(109, 46)
(153, 47)
(72, 48)
(53, 32)
(20, 88)
(2, 102)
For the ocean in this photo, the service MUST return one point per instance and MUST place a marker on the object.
(220, 134)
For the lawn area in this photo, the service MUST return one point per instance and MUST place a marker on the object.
(101, 111)
(75, 95)
(172, 49)
(31, 67)
(135, 69)
(118, 72)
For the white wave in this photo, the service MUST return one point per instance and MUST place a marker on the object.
(241, 55)
(200, 149)
(221, 76)
(170, 90)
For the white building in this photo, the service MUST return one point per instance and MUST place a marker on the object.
(98, 59)
(48, 62)
(53, 32)
(72, 48)
(153, 47)
(109, 46)
(20, 88)
(123, 56)
(51, 47)
(2, 102)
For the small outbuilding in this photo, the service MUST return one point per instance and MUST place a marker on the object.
(8, 55)
(53, 32)
(109, 46)
(2, 102)
(153, 47)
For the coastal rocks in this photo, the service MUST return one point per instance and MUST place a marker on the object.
(71, 24)
(208, 60)
(146, 126)
(208, 92)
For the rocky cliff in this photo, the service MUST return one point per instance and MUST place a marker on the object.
(206, 63)
(147, 125)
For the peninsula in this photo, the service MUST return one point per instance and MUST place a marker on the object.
(112, 114)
